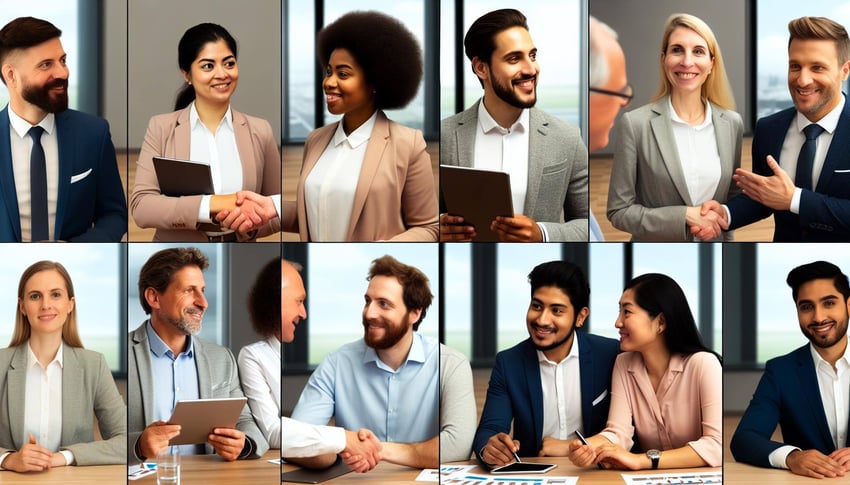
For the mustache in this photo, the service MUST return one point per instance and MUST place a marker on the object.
(57, 83)
(548, 328)
(524, 78)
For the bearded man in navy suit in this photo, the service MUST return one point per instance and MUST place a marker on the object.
(58, 172)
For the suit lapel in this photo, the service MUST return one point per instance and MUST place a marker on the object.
(662, 131)
(465, 136)
(17, 379)
(204, 375)
(72, 383)
(535, 390)
(836, 156)
(585, 355)
(724, 134)
(142, 354)
(183, 136)
(7, 176)
(67, 142)
(538, 129)
(246, 149)
(375, 148)
(808, 379)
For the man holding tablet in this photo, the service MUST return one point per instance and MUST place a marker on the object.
(163, 352)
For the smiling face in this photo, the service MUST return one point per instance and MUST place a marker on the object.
(46, 303)
(347, 92)
(386, 319)
(815, 76)
(292, 309)
(687, 60)
(512, 72)
(183, 303)
(551, 321)
(38, 76)
(823, 313)
(639, 332)
(214, 73)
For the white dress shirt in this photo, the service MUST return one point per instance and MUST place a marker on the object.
(502, 149)
(834, 386)
(259, 373)
(21, 145)
(219, 151)
(561, 384)
(330, 186)
(303, 440)
(698, 155)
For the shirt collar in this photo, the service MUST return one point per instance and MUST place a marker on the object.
(33, 360)
(488, 124)
(675, 117)
(159, 348)
(195, 120)
(274, 343)
(818, 360)
(829, 122)
(416, 354)
(572, 354)
(22, 126)
(357, 137)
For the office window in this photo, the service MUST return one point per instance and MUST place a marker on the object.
(606, 285)
(96, 272)
(337, 282)
(458, 310)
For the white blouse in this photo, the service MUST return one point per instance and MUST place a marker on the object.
(698, 155)
(219, 151)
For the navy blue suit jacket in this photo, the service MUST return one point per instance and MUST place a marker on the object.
(787, 394)
(515, 392)
(825, 212)
(91, 209)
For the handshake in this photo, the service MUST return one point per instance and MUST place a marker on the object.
(248, 212)
(362, 450)
(708, 221)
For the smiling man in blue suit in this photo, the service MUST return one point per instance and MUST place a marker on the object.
(555, 382)
(806, 392)
(58, 172)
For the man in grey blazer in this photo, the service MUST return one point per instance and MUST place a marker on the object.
(544, 156)
(164, 352)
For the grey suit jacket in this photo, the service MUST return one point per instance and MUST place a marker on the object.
(648, 195)
(88, 390)
(218, 377)
(557, 169)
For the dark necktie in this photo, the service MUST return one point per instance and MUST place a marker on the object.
(38, 187)
(806, 160)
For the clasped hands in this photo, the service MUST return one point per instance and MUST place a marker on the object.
(362, 450)
(251, 210)
(813, 463)
(519, 228)
(33, 457)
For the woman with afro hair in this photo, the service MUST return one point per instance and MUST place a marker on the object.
(365, 177)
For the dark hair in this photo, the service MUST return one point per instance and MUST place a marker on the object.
(190, 46)
(660, 294)
(265, 314)
(564, 275)
(821, 28)
(479, 40)
(386, 50)
(817, 271)
(24, 32)
(416, 291)
(160, 268)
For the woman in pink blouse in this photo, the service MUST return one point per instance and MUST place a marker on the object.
(666, 389)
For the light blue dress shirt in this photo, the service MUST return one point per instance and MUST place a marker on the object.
(355, 386)
(175, 378)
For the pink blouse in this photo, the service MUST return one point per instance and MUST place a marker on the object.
(686, 410)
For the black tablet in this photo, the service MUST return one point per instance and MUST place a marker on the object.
(523, 467)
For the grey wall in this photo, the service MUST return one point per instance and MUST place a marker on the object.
(738, 388)
(640, 25)
(114, 81)
(155, 27)
(246, 260)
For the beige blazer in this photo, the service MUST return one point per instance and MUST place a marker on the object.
(395, 197)
(648, 195)
(87, 391)
(168, 135)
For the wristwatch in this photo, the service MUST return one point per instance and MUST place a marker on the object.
(654, 455)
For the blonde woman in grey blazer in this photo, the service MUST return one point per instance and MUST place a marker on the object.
(46, 332)
(682, 149)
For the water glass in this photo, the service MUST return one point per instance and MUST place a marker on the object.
(168, 468)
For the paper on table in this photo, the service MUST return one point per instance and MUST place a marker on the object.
(462, 478)
(694, 478)
(135, 472)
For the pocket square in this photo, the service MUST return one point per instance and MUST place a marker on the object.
(80, 176)
(600, 397)
(841, 171)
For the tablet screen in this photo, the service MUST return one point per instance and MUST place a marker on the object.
(524, 467)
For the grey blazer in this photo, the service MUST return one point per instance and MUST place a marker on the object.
(648, 194)
(218, 377)
(557, 169)
(88, 390)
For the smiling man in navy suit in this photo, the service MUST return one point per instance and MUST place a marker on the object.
(58, 172)
(806, 392)
(555, 382)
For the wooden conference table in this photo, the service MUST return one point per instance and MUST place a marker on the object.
(384, 473)
(741, 473)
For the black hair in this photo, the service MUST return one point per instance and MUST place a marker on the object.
(24, 32)
(190, 46)
(386, 50)
(816, 271)
(265, 313)
(480, 38)
(660, 294)
(564, 275)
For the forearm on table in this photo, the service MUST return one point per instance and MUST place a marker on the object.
(424, 454)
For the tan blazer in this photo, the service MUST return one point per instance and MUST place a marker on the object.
(168, 135)
(87, 391)
(395, 197)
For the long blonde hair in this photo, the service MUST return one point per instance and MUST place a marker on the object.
(716, 87)
(22, 325)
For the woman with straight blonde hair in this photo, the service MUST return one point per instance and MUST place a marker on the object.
(51, 389)
(681, 149)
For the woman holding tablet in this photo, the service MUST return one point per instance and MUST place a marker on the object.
(52, 389)
(240, 149)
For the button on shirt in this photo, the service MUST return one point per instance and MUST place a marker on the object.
(697, 148)
(43, 403)
(561, 384)
(219, 151)
(502, 149)
(330, 186)
(175, 378)
(353, 385)
(21, 147)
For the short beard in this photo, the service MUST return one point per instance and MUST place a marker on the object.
(40, 96)
(825, 344)
(392, 336)
(184, 325)
(545, 348)
(506, 94)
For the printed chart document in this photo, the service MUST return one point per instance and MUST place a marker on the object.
(688, 478)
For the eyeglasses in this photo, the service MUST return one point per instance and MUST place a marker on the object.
(627, 93)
